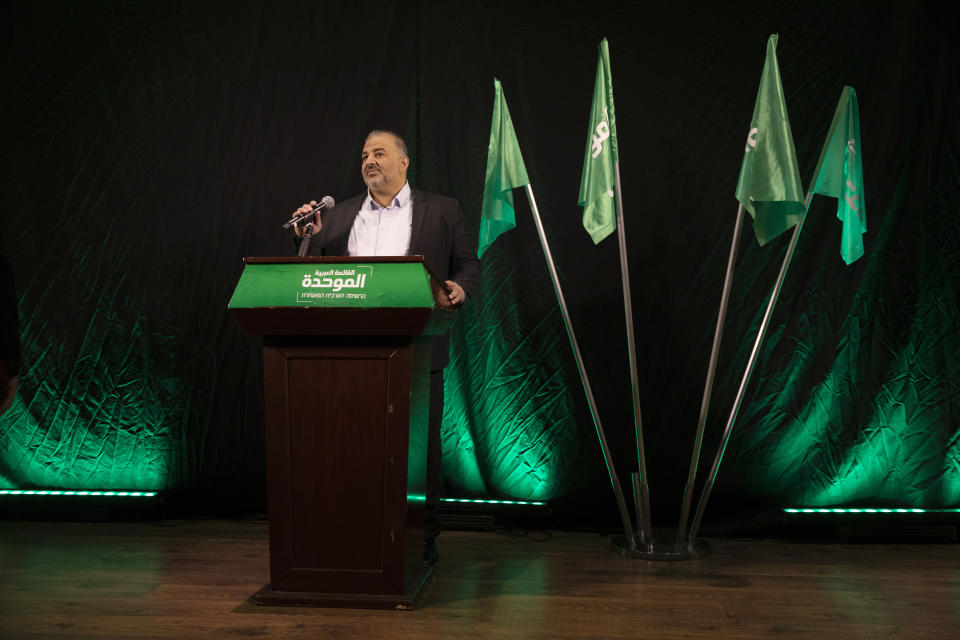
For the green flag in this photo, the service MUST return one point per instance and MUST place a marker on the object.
(600, 158)
(505, 172)
(769, 185)
(839, 174)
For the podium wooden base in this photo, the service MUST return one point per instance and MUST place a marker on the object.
(399, 601)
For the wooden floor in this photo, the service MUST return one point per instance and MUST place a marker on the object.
(194, 580)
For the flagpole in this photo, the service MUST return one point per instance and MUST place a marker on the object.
(748, 371)
(643, 512)
(614, 479)
(708, 385)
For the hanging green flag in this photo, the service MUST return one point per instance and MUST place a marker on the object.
(505, 172)
(839, 174)
(599, 161)
(769, 185)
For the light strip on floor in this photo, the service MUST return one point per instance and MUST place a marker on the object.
(866, 510)
(51, 492)
(494, 502)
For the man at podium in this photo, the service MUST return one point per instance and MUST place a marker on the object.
(393, 219)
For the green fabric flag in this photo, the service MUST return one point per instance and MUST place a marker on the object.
(505, 172)
(600, 158)
(769, 185)
(839, 174)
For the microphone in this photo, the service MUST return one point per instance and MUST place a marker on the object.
(325, 204)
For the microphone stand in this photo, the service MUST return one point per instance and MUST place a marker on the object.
(305, 243)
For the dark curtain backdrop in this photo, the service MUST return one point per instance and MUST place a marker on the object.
(148, 146)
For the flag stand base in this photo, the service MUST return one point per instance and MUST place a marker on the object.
(662, 551)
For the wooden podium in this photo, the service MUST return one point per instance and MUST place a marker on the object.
(346, 359)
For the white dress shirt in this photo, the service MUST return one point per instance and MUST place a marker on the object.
(382, 231)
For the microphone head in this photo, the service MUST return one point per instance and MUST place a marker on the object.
(328, 202)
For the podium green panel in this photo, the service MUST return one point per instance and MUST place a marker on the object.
(354, 283)
(285, 296)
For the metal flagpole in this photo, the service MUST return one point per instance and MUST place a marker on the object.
(637, 509)
(708, 486)
(708, 385)
(643, 512)
(617, 490)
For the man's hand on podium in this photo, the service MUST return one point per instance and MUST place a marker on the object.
(300, 230)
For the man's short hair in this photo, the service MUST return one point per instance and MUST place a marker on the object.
(401, 145)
